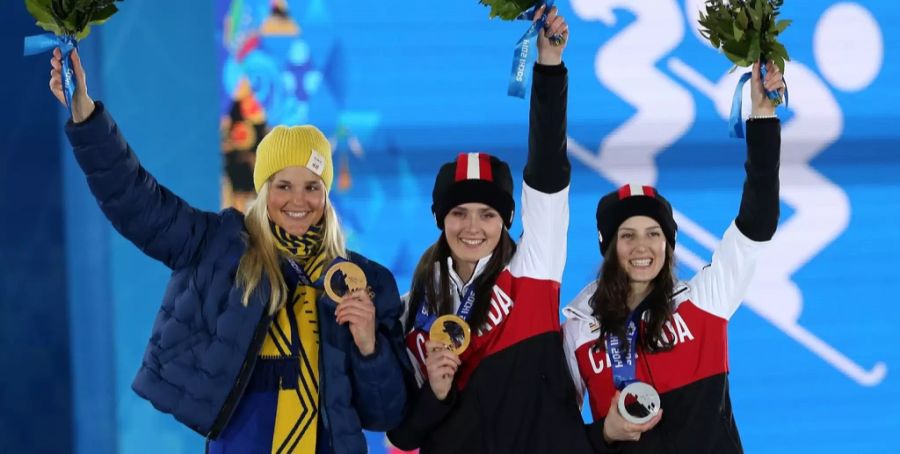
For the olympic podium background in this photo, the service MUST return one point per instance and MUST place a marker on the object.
(403, 87)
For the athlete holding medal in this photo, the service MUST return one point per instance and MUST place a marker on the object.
(509, 390)
(641, 343)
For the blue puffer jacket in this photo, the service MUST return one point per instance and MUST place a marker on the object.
(205, 341)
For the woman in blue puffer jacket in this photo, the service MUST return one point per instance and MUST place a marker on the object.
(246, 349)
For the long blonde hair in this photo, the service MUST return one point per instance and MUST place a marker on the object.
(262, 257)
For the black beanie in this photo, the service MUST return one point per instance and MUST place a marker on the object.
(633, 200)
(473, 177)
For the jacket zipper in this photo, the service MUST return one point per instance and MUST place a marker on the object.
(323, 412)
(240, 385)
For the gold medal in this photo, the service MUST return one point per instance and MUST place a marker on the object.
(452, 331)
(351, 278)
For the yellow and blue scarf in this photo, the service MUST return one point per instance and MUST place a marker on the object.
(294, 337)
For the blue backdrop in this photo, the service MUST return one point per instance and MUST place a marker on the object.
(35, 384)
(403, 89)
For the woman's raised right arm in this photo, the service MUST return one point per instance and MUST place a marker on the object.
(160, 223)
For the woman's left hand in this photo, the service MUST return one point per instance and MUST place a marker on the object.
(762, 105)
(357, 309)
(548, 53)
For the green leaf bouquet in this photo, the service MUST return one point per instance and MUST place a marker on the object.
(508, 9)
(68, 21)
(71, 17)
(746, 30)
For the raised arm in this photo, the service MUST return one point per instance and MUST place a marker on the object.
(758, 215)
(161, 224)
(720, 287)
(548, 169)
(545, 194)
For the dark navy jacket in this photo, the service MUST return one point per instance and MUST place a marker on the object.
(204, 341)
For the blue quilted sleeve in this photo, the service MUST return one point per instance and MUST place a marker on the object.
(378, 380)
(157, 221)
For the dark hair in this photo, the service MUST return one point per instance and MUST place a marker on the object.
(610, 301)
(437, 295)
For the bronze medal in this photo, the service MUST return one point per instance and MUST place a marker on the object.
(344, 278)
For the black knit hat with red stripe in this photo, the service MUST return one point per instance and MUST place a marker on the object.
(473, 177)
(633, 200)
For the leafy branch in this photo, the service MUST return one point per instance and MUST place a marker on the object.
(746, 30)
(71, 17)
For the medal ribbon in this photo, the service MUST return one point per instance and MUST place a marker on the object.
(623, 363)
(524, 55)
(424, 320)
(735, 125)
(304, 279)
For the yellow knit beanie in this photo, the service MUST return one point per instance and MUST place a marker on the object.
(287, 146)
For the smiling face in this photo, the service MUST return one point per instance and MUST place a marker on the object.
(296, 199)
(641, 249)
(472, 231)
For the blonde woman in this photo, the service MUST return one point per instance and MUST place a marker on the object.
(246, 349)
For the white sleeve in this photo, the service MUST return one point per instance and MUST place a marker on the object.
(720, 286)
(404, 300)
(570, 343)
(541, 253)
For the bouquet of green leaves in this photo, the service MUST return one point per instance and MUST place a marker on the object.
(71, 17)
(508, 9)
(745, 30)
(68, 21)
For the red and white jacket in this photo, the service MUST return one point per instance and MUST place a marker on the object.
(513, 392)
(525, 302)
(691, 377)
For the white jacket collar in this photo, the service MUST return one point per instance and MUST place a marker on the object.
(457, 281)
(580, 307)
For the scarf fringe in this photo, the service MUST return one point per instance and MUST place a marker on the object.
(274, 374)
